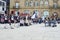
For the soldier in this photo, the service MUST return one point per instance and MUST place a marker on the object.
(21, 22)
(9, 20)
(12, 19)
(18, 17)
(26, 23)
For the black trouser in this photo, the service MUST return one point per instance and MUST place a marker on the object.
(12, 21)
(54, 25)
(26, 24)
(9, 23)
(2, 22)
(21, 24)
(6, 21)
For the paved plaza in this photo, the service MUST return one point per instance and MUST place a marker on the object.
(33, 32)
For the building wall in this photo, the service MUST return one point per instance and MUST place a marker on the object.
(40, 8)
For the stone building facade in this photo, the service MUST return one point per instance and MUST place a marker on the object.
(41, 7)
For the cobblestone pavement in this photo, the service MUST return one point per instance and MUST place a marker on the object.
(33, 32)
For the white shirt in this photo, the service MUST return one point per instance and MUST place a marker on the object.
(26, 19)
(33, 16)
(43, 18)
(12, 18)
(5, 17)
(18, 17)
(21, 21)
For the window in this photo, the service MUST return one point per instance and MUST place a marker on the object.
(3, 4)
(0, 3)
(0, 8)
(55, 5)
(31, 3)
(26, 3)
(26, 11)
(36, 3)
(41, 2)
(16, 5)
(46, 3)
